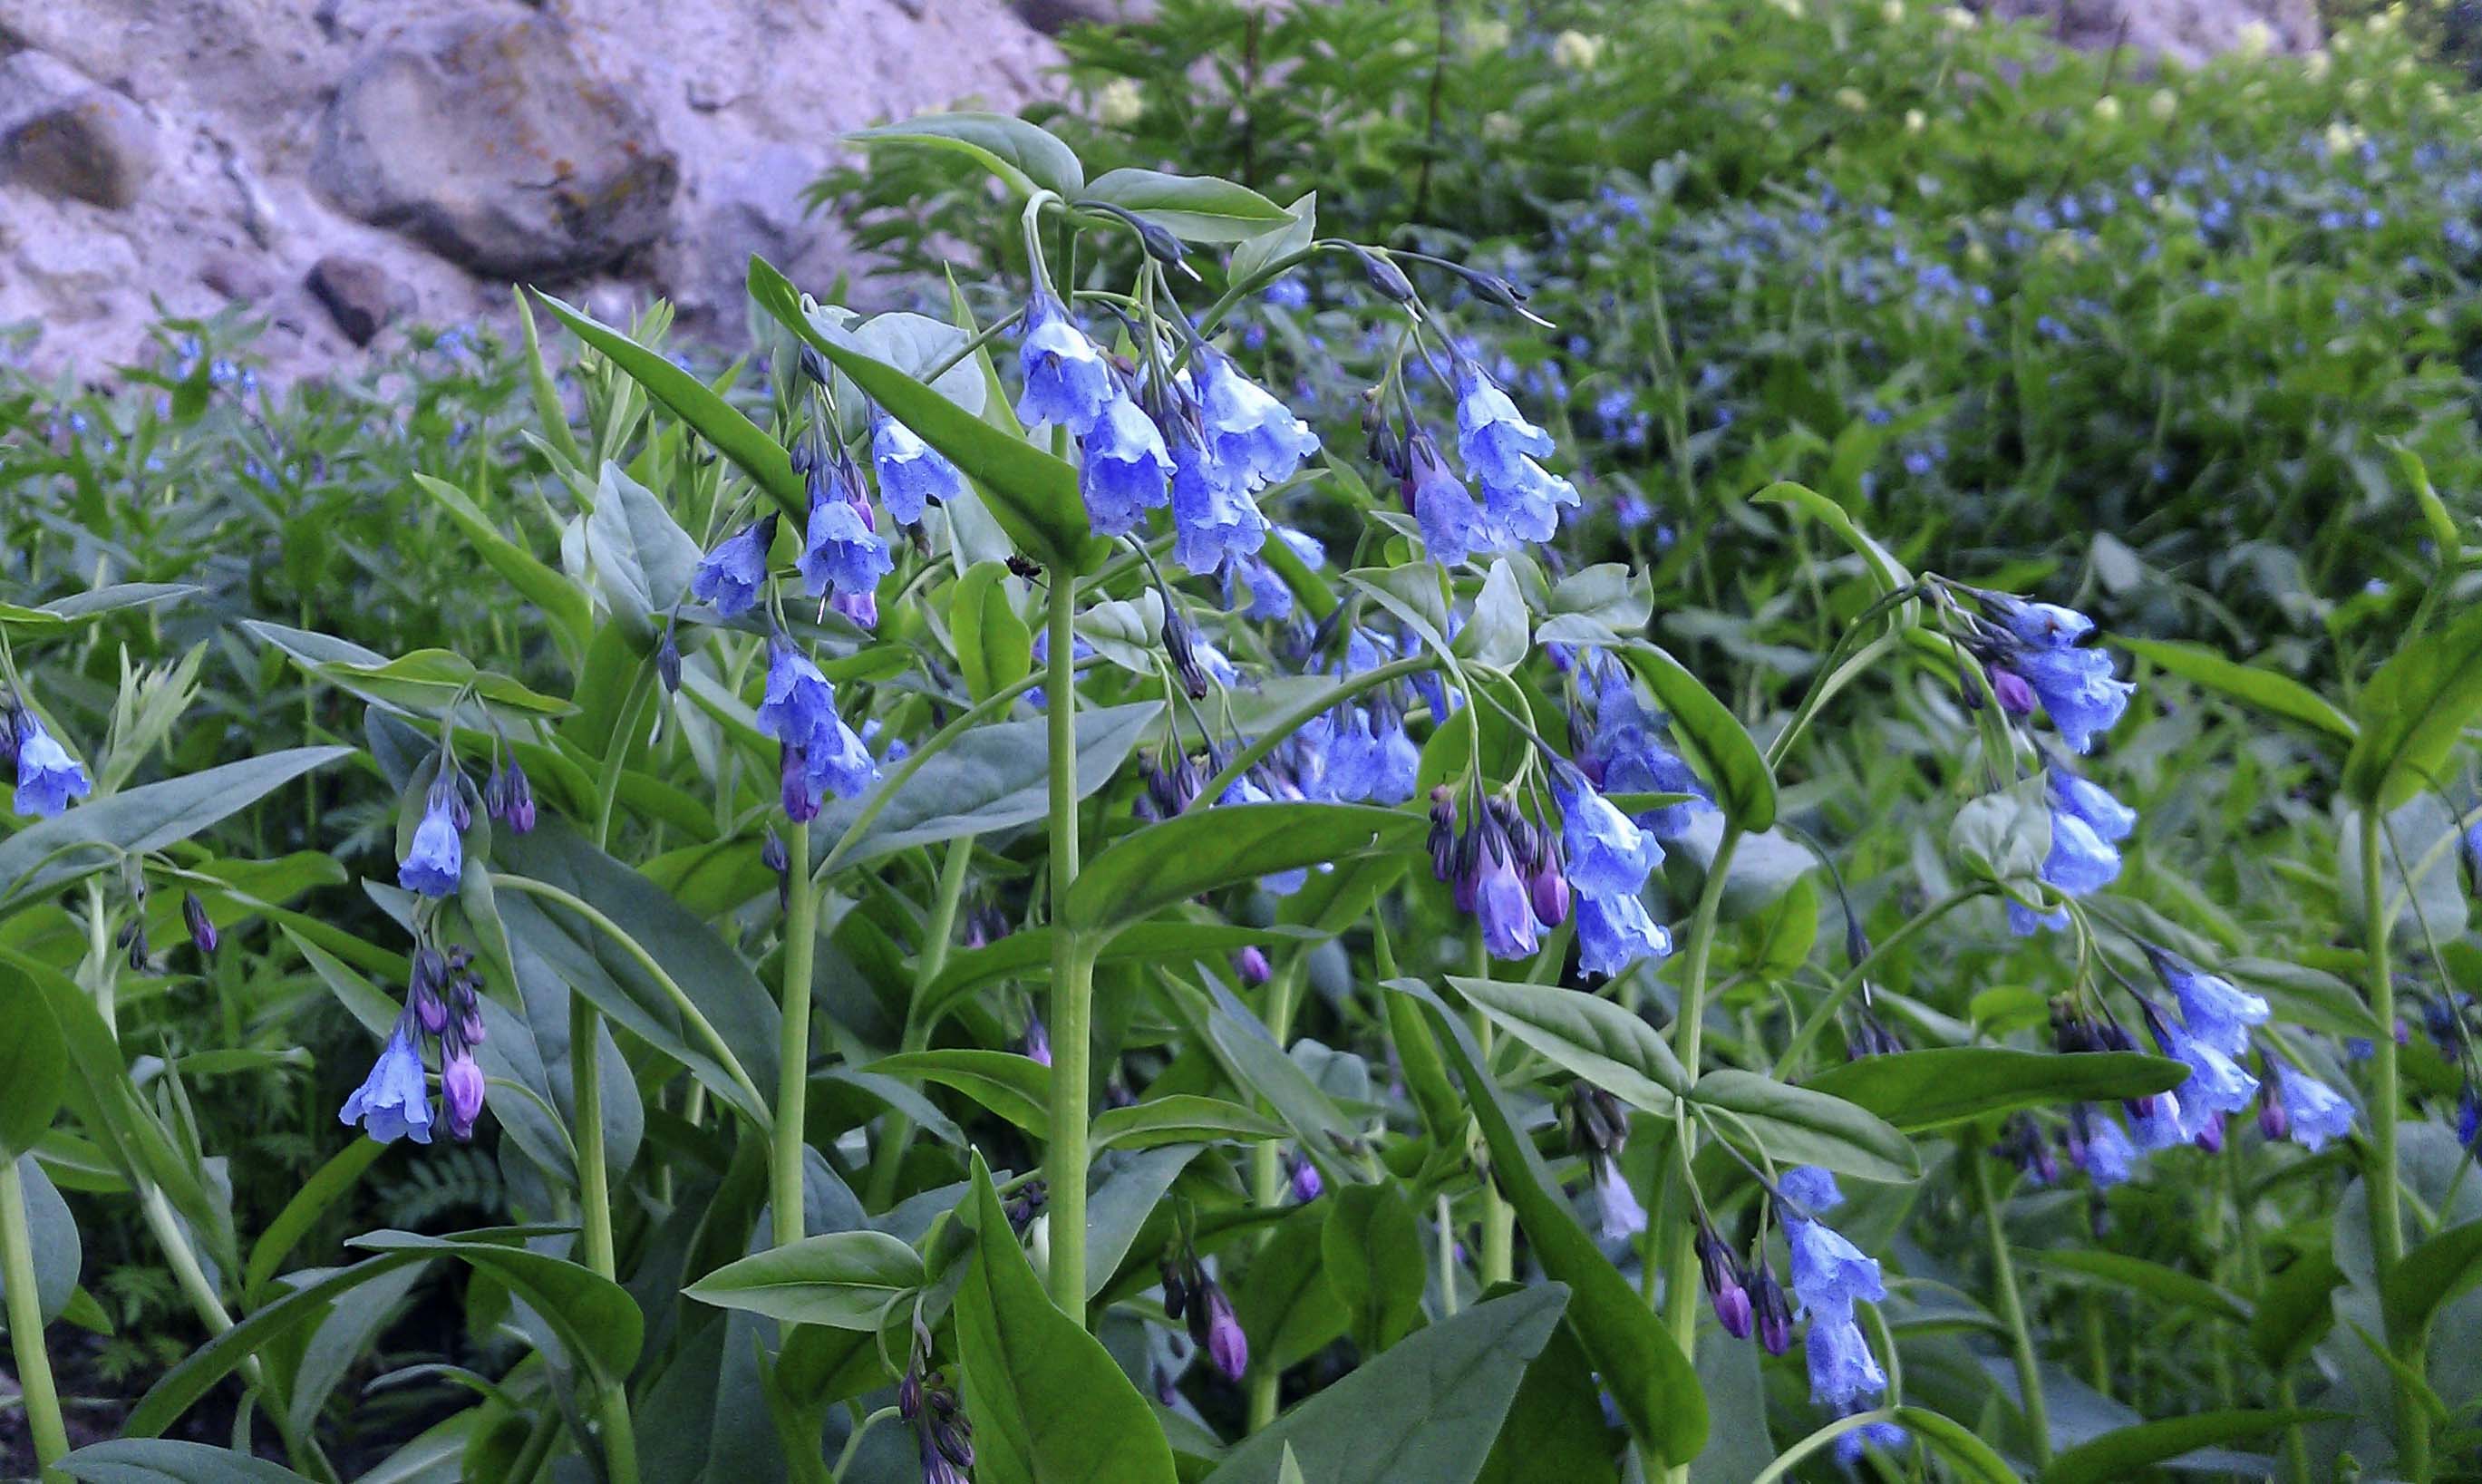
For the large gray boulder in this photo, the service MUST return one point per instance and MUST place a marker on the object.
(490, 141)
(73, 143)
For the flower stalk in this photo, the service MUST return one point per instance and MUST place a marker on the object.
(1073, 971)
(42, 1399)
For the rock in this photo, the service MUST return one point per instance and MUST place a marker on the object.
(237, 277)
(359, 295)
(491, 141)
(2190, 32)
(1053, 16)
(93, 145)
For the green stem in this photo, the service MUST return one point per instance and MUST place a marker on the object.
(537, 1448)
(2386, 1208)
(889, 1159)
(26, 1324)
(1267, 1182)
(617, 1434)
(1073, 971)
(1681, 1288)
(2012, 1308)
(1818, 1017)
(792, 1058)
(585, 1095)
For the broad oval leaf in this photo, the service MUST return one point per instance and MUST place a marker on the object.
(1196, 209)
(1941, 1086)
(2427, 1277)
(1805, 1125)
(2413, 711)
(1744, 784)
(845, 1279)
(995, 647)
(1018, 1088)
(1210, 847)
(1024, 155)
(1593, 1038)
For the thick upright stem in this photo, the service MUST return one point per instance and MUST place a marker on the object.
(1073, 971)
(26, 1324)
(1267, 1182)
(793, 1046)
(1681, 1285)
(2380, 1182)
(593, 1178)
(2012, 1308)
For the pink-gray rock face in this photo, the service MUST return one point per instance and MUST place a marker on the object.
(489, 140)
(93, 145)
(2189, 31)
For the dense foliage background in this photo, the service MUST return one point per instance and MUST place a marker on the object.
(2192, 353)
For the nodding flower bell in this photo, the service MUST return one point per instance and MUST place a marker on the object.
(912, 475)
(2212, 1010)
(731, 575)
(1226, 1344)
(1255, 437)
(1036, 1044)
(1598, 1127)
(1127, 470)
(48, 778)
(841, 551)
(1452, 523)
(1213, 517)
(435, 861)
(1500, 447)
(393, 1101)
(1067, 380)
(461, 1091)
(2303, 1109)
(1491, 883)
(820, 754)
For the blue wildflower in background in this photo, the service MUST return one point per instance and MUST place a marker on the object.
(912, 475)
(435, 860)
(2080, 862)
(2107, 1155)
(2312, 1112)
(731, 574)
(2212, 1010)
(48, 778)
(1127, 471)
(393, 1101)
(2216, 1087)
(820, 753)
(1500, 447)
(1608, 853)
(1067, 380)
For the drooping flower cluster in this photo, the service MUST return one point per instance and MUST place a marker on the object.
(1598, 1127)
(943, 1439)
(2033, 656)
(1191, 1295)
(820, 755)
(1609, 857)
(2087, 826)
(443, 1006)
(1829, 1276)
(48, 778)
(434, 858)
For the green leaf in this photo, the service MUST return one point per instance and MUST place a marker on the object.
(43, 620)
(1888, 573)
(995, 647)
(1273, 246)
(140, 820)
(544, 587)
(2413, 711)
(1032, 494)
(34, 1066)
(1181, 1118)
(2129, 1451)
(1251, 1056)
(1555, 1427)
(845, 1279)
(1974, 1458)
(638, 553)
(1943, 1086)
(1049, 1404)
(1416, 594)
(2005, 836)
(1498, 635)
(1423, 1413)
(1026, 158)
(1196, 209)
(2293, 1309)
(317, 1195)
(593, 1316)
(1743, 782)
(2413, 1291)
(1804, 1126)
(2263, 689)
(53, 1235)
(2435, 515)
(1371, 1246)
(2185, 1290)
(1600, 1041)
(1027, 955)
(1207, 848)
(693, 402)
(163, 1461)
(1650, 1381)
(1018, 1088)
(1117, 1208)
(1601, 605)
(1283, 1301)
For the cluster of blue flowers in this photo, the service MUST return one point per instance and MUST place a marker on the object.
(434, 862)
(48, 778)
(443, 1005)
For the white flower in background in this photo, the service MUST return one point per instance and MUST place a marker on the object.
(2163, 105)
(1576, 50)
(2106, 109)
(1119, 103)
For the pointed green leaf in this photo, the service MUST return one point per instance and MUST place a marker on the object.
(1196, 209)
(1018, 1088)
(1211, 847)
(1025, 156)
(1179, 1117)
(1600, 1041)
(1743, 782)
(845, 1279)
(2128, 1452)
(1941, 1086)
(1804, 1126)
(2274, 693)
(995, 647)
(2413, 711)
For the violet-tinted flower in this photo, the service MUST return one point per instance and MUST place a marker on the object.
(393, 1101)
(48, 778)
(1727, 1285)
(1226, 1344)
(461, 1092)
(1607, 853)
(1037, 1044)
(1615, 932)
(1251, 965)
(1452, 523)
(912, 475)
(731, 575)
(1213, 517)
(2015, 694)
(509, 798)
(2077, 691)
(436, 861)
(1810, 1188)
(1065, 378)
(2110, 1159)
(1304, 1177)
(840, 552)
(1622, 1216)
(1499, 898)
(1774, 1313)
(201, 927)
(1828, 1271)
(1844, 1374)
(2212, 1010)
(1127, 471)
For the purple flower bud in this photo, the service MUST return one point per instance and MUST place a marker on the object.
(1038, 1040)
(2271, 1122)
(2016, 695)
(460, 1093)
(1252, 965)
(1175, 1292)
(1306, 1184)
(1774, 1313)
(202, 928)
(1226, 1344)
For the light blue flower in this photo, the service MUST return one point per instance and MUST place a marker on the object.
(1492, 435)
(2077, 689)
(1213, 518)
(840, 552)
(1844, 1374)
(2315, 1111)
(2048, 625)
(798, 702)
(1623, 1217)
(912, 475)
(1065, 378)
(1829, 1272)
(2110, 1159)
(2217, 1086)
(1452, 523)
(1607, 852)
(731, 574)
(436, 861)
(1253, 437)
(1505, 909)
(1615, 931)
(1127, 471)
(1810, 1188)
(1887, 1436)
(393, 1101)
(2213, 1009)
(48, 778)
(2107, 816)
